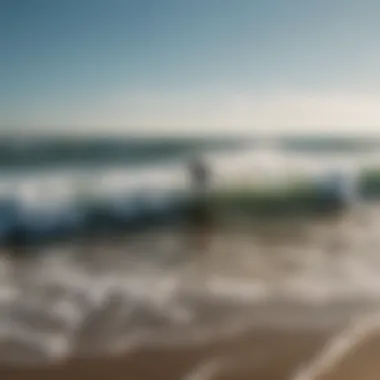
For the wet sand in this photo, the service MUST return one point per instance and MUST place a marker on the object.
(265, 354)
(362, 363)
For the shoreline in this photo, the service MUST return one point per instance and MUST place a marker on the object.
(271, 339)
(278, 354)
(266, 354)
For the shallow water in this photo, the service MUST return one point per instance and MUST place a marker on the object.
(178, 286)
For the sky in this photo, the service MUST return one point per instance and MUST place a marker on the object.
(183, 67)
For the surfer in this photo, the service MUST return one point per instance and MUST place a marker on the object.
(200, 215)
(199, 174)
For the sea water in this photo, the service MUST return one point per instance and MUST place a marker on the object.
(162, 287)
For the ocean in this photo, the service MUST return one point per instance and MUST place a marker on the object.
(170, 286)
(42, 171)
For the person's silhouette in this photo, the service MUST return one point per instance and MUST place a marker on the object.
(200, 216)
(199, 175)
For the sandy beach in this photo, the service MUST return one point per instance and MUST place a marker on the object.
(361, 364)
(267, 355)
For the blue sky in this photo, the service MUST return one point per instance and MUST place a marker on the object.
(190, 66)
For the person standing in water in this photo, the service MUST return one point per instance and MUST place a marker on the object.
(200, 215)
(200, 176)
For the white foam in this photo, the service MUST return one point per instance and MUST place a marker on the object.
(235, 289)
